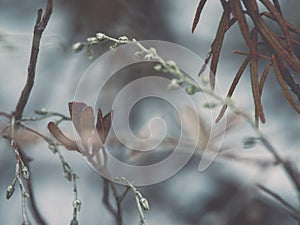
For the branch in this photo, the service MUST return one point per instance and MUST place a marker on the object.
(39, 27)
(141, 202)
(33, 205)
(287, 206)
(105, 200)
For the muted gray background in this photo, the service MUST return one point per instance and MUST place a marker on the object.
(189, 197)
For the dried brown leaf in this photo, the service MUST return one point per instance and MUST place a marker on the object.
(277, 6)
(231, 23)
(263, 77)
(254, 81)
(63, 139)
(238, 13)
(198, 14)
(289, 79)
(293, 41)
(281, 21)
(75, 109)
(85, 123)
(103, 125)
(82, 118)
(291, 26)
(203, 67)
(271, 40)
(233, 86)
(258, 55)
(217, 44)
(282, 84)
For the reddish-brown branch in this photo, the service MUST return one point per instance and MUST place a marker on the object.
(238, 13)
(282, 84)
(269, 38)
(108, 205)
(258, 55)
(40, 25)
(281, 21)
(291, 27)
(277, 6)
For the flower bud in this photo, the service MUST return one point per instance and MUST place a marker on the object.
(25, 172)
(77, 204)
(92, 40)
(42, 111)
(145, 204)
(10, 191)
(100, 36)
(175, 84)
(123, 38)
(190, 90)
(77, 47)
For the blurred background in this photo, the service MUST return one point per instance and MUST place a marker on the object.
(224, 194)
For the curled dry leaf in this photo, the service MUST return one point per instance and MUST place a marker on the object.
(61, 137)
(103, 124)
(91, 135)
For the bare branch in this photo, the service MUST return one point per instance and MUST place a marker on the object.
(40, 25)
(292, 211)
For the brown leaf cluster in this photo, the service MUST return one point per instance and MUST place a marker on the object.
(280, 48)
(91, 135)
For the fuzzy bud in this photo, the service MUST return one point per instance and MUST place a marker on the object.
(92, 40)
(77, 204)
(175, 84)
(190, 90)
(25, 172)
(145, 204)
(100, 36)
(123, 38)
(10, 191)
(77, 47)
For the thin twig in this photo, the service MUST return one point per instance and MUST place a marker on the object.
(4, 114)
(47, 115)
(269, 38)
(34, 207)
(119, 199)
(291, 27)
(217, 44)
(105, 200)
(258, 55)
(76, 201)
(291, 210)
(38, 133)
(20, 168)
(141, 202)
(281, 21)
(197, 14)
